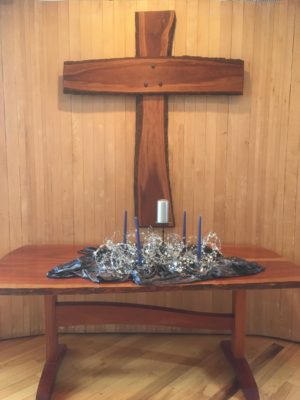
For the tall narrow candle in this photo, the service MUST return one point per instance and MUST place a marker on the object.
(138, 241)
(184, 228)
(125, 227)
(199, 240)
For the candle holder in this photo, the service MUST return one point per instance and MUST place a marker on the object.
(162, 226)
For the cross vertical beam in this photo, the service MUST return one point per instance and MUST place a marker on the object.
(151, 76)
(154, 38)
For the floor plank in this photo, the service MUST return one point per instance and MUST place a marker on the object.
(148, 366)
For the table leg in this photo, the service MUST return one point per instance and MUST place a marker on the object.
(234, 350)
(54, 351)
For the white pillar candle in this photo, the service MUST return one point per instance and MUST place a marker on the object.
(162, 211)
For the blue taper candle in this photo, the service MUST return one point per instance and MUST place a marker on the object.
(199, 240)
(184, 228)
(125, 227)
(138, 240)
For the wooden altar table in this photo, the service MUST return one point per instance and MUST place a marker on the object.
(23, 272)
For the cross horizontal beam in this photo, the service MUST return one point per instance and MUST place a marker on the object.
(154, 75)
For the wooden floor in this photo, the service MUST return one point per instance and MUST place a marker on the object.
(141, 367)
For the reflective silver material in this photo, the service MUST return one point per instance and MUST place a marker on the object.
(163, 262)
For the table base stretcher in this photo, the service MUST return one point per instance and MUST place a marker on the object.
(23, 272)
(79, 313)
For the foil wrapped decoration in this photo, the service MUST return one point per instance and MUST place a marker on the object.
(163, 262)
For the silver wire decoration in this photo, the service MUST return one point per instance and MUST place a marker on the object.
(163, 262)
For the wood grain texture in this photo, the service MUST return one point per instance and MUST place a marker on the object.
(24, 271)
(89, 313)
(242, 371)
(235, 160)
(149, 366)
(47, 380)
(154, 37)
(144, 75)
(238, 333)
(69, 313)
(152, 181)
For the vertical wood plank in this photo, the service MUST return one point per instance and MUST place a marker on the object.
(66, 162)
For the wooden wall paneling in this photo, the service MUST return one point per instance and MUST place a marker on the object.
(178, 136)
(271, 48)
(12, 138)
(4, 204)
(262, 38)
(98, 127)
(21, 305)
(210, 127)
(255, 82)
(51, 131)
(262, 35)
(296, 122)
(274, 157)
(251, 53)
(130, 106)
(272, 195)
(222, 127)
(109, 133)
(233, 191)
(86, 36)
(211, 164)
(241, 44)
(158, 5)
(176, 140)
(67, 161)
(288, 55)
(118, 105)
(77, 133)
(189, 114)
(267, 31)
(128, 132)
(27, 158)
(119, 113)
(23, 120)
(171, 6)
(200, 149)
(291, 170)
(35, 150)
(11, 85)
(95, 169)
(43, 148)
(91, 32)
(37, 153)
(294, 126)
(284, 300)
(221, 300)
(141, 5)
(65, 131)
(5, 244)
(252, 85)
(76, 127)
(196, 140)
(110, 158)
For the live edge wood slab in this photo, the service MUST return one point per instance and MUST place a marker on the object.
(152, 75)
(23, 272)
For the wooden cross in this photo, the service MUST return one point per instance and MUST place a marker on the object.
(152, 75)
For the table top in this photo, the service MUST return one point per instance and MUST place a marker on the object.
(23, 271)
